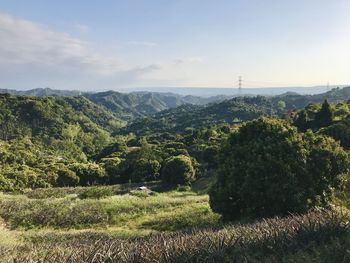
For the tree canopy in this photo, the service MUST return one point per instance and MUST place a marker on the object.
(266, 168)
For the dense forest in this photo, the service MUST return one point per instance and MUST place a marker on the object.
(81, 170)
(91, 139)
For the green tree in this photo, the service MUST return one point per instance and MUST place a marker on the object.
(281, 105)
(145, 170)
(302, 121)
(266, 168)
(178, 170)
(340, 131)
(89, 173)
(67, 177)
(324, 117)
(113, 169)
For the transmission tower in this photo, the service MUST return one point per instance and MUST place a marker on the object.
(239, 84)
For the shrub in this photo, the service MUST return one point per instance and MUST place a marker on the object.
(89, 173)
(178, 170)
(140, 194)
(267, 169)
(95, 193)
(43, 193)
(145, 170)
(67, 177)
(113, 170)
(183, 188)
(6, 184)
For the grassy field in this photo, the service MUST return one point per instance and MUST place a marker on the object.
(107, 224)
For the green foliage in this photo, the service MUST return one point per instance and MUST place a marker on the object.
(67, 177)
(178, 170)
(34, 213)
(145, 170)
(181, 118)
(58, 122)
(324, 117)
(61, 141)
(183, 188)
(95, 193)
(113, 169)
(130, 211)
(266, 161)
(140, 104)
(331, 120)
(302, 121)
(340, 131)
(89, 173)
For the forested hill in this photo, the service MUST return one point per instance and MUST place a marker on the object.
(50, 119)
(230, 111)
(144, 111)
(297, 101)
(129, 106)
(42, 92)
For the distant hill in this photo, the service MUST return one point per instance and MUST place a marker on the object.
(229, 111)
(195, 116)
(234, 92)
(42, 92)
(133, 105)
(126, 106)
(297, 101)
(137, 105)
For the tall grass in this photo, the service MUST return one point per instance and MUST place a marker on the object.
(60, 192)
(318, 235)
(176, 211)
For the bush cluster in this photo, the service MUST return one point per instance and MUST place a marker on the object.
(266, 168)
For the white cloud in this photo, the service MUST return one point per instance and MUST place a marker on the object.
(33, 52)
(24, 42)
(33, 55)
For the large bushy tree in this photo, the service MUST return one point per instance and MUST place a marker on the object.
(266, 168)
(178, 170)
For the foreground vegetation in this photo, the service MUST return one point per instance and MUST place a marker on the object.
(317, 236)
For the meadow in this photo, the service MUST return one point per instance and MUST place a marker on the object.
(122, 224)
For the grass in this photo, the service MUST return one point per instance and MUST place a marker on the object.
(176, 226)
(128, 213)
(319, 236)
(60, 192)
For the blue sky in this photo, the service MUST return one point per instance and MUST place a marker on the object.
(111, 44)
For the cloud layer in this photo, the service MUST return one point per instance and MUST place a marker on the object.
(32, 55)
(33, 52)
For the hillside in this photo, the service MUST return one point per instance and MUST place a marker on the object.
(47, 119)
(229, 111)
(127, 106)
(134, 105)
(130, 106)
(297, 101)
(193, 116)
(42, 92)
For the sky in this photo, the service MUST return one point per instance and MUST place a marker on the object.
(123, 44)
